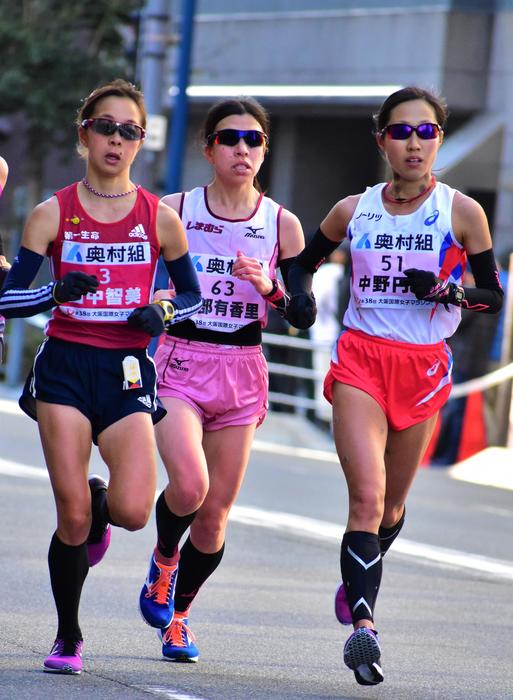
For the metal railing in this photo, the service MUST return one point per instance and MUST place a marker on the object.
(500, 377)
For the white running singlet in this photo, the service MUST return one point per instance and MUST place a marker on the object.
(382, 247)
(229, 303)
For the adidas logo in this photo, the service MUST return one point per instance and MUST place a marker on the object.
(138, 232)
(145, 400)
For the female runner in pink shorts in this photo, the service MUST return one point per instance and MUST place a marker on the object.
(391, 369)
(212, 375)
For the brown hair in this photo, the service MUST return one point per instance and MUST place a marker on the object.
(116, 88)
(239, 106)
(406, 95)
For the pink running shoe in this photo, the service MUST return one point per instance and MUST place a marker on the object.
(97, 542)
(342, 609)
(65, 657)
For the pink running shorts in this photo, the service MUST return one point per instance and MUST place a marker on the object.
(226, 384)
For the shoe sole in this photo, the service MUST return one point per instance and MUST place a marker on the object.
(375, 671)
(68, 670)
(361, 649)
(181, 659)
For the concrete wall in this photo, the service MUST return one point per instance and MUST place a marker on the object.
(324, 150)
(425, 44)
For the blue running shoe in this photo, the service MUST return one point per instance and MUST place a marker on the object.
(65, 657)
(99, 536)
(156, 601)
(362, 655)
(178, 642)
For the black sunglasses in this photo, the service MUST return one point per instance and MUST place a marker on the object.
(108, 127)
(401, 132)
(231, 137)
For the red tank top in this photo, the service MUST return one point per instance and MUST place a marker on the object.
(123, 256)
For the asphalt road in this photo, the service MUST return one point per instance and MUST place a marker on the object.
(264, 623)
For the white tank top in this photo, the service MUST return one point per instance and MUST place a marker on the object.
(229, 303)
(382, 247)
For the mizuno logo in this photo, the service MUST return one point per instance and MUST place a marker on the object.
(138, 232)
(252, 232)
(176, 363)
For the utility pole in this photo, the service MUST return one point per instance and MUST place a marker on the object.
(178, 135)
(155, 38)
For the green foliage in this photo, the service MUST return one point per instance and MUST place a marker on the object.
(53, 53)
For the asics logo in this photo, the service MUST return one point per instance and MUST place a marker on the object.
(145, 400)
(433, 369)
(138, 232)
(431, 219)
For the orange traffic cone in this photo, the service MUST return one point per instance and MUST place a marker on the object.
(473, 432)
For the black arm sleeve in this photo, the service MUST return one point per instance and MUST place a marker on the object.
(487, 295)
(285, 266)
(185, 281)
(308, 261)
(16, 299)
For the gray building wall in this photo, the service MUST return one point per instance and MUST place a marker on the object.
(322, 148)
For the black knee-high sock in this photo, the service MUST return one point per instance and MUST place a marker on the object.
(68, 566)
(388, 534)
(361, 566)
(195, 567)
(100, 515)
(170, 527)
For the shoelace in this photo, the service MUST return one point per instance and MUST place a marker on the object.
(161, 587)
(177, 633)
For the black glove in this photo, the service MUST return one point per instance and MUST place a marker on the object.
(302, 310)
(73, 286)
(149, 318)
(426, 285)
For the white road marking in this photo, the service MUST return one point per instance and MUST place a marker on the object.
(320, 529)
(11, 407)
(172, 694)
(304, 452)
(491, 467)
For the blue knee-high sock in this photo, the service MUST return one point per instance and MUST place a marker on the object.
(361, 566)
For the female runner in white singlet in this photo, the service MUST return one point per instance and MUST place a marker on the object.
(391, 369)
(212, 375)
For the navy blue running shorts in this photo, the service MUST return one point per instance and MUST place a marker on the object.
(92, 380)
